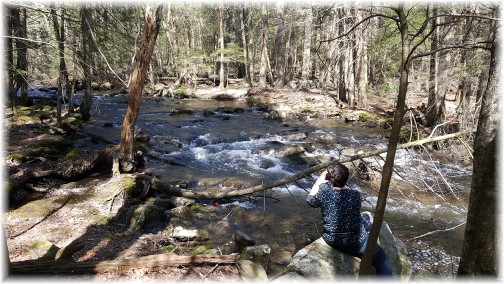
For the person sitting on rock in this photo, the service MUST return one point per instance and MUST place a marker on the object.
(344, 227)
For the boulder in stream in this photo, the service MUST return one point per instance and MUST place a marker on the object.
(319, 261)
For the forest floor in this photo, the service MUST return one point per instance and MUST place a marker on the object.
(53, 214)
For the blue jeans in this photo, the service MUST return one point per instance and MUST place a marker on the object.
(380, 260)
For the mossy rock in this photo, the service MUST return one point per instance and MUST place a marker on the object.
(168, 248)
(200, 250)
(35, 210)
(72, 121)
(256, 101)
(16, 157)
(372, 117)
(41, 249)
(140, 215)
(95, 85)
(41, 107)
(180, 94)
(56, 142)
(42, 151)
(21, 118)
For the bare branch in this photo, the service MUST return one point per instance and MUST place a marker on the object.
(103, 55)
(480, 44)
(26, 39)
(358, 24)
(438, 231)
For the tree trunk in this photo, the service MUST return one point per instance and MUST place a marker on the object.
(263, 69)
(221, 42)
(280, 46)
(480, 248)
(365, 267)
(59, 32)
(361, 61)
(19, 31)
(140, 66)
(329, 66)
(11, 83)
(482, 85)
(306, 68)
(244, 24)
(343, 60)
(86, 58)
(435, 105)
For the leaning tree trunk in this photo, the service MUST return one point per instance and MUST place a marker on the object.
(140, 66)
(388, 167)
(480, 249)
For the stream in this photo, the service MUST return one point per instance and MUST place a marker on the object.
(229, 144)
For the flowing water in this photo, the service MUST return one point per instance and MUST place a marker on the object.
(230, 145)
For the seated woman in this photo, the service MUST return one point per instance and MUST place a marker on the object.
(344, 228)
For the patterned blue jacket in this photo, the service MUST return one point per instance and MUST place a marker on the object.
(343, 227)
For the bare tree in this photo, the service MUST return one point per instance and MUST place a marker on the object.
(263, 69)
(140, 66)
(307, 64)
(435, 105)
(59, 32)
(245, 29)
(85, 61)
(280, 45)
(20, 33)
(361, 60)
(221, 43)
(11, 83)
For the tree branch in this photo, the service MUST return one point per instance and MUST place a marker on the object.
(101, 53)
(358, 24)
(463, 45)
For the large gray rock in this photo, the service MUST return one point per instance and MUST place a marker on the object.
(260, 254)
(252, 271)
(319, 261)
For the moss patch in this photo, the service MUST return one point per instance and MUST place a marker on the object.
(41, 151)
(200, 250)
(56, 142)
(39, 208)
(21, 118)
(16, 157)
(180, 93)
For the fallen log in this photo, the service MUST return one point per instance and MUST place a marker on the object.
(58, 267)
(194, 194)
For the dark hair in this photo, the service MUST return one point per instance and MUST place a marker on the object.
(337, 174)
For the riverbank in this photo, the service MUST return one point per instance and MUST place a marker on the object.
(130, 245)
